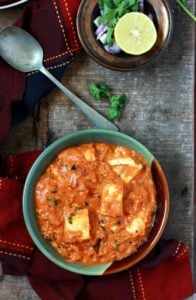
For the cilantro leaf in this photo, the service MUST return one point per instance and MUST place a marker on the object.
(101, 3)
(99, 90)
(116, 103)
(122, 10)
(109, 36)
(117, 2)
(113, 10)
(108, 17)
(116, 107)
(135, 7)
(132, 2)
(113, 113)
(110, 3)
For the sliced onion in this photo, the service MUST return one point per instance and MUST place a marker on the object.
(103, 38)
(151, 16)
(101, 30)
(73, 180)
(141, 5)
(114, 49)
(65, 168)
(96, 21)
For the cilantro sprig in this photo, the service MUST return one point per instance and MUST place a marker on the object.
(113, 10)
(183, 5)
(101, 90)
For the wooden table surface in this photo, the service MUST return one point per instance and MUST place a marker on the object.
(159, 113)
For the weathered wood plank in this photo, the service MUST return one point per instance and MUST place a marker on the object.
(159, 113)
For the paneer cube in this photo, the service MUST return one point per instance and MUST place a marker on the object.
(123, 161)
(77, 225)
(137, 225)
(89, 153)
(126, 173)
(112, 199)
(126, 168)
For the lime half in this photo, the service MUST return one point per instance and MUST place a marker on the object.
(135, 33)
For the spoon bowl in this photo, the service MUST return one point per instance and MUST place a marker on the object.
(11, 45)
(23, 52)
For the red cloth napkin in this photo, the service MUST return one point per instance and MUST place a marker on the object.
(52, 23)
(164, 274)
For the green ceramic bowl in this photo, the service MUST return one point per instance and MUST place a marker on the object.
(77, 138)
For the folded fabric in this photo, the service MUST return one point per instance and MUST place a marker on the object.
(52, 23)
(164, 274)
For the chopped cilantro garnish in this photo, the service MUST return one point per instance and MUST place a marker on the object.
(99, 90)
(118, 222)
(87, 202)
(116, 244)
(97, 245)
(116, 103)
(73, 167)
(70, 218)
(53, 202)
(113, 10)
(116, 106)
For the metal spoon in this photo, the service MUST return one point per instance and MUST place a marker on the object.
(23, 52)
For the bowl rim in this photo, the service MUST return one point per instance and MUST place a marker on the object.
(107, 268)
(125, 68)
(9, 4)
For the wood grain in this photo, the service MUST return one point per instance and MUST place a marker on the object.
(159, 113)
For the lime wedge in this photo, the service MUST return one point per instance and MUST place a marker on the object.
(135, 33)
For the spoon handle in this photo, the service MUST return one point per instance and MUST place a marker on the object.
(97, 119)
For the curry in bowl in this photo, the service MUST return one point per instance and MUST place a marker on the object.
(96, 202)
(67, 203)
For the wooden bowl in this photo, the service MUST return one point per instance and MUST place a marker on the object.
(89, 10)
(77, 138)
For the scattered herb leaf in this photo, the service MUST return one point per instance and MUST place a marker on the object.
(116, 103)
(70, 218)
(116, 107)
(96, 246)
(118, 222)
(99, 90)
(73, 167)
(87, 202)
(182, 4)
(53, 202)
(116, 244)
(63, 245)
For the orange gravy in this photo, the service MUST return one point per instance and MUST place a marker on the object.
(96, 202)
